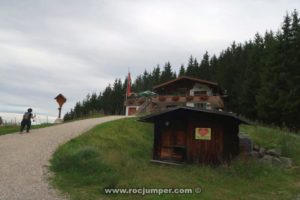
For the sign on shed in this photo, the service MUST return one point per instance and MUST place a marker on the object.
(203, 133)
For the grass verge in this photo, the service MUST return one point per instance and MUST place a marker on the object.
(13, 128)
(116, 155)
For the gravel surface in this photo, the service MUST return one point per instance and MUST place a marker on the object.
(24, 159)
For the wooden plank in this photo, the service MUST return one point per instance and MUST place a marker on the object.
(166, 162)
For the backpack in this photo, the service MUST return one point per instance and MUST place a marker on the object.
(26, 115)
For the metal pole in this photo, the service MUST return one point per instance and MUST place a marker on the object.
(59, 113)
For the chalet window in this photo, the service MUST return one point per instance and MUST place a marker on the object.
(200, 92)
(201, 105)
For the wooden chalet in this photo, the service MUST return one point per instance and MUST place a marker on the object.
(194, 135)
(182, 91)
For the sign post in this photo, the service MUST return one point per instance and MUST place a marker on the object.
(60, 99)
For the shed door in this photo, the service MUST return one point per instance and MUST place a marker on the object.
(173, 142)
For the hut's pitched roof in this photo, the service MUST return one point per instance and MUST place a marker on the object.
(151, 117)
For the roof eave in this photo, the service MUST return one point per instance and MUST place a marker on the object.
(185, 77)
(150, 118)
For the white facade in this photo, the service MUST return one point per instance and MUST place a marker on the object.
(200, 87)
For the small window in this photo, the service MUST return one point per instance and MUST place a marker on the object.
(182, 91)
(200, 105)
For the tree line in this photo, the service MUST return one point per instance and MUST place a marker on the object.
(261, 77)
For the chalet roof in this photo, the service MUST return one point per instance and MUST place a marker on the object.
(186, 78)
(151, 118)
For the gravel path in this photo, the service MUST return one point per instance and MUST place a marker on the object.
(24, 159)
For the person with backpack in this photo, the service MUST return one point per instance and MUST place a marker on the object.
(26, 121)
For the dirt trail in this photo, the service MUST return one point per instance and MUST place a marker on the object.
(24, 159)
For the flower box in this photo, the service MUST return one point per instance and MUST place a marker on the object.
(189, 98)
(175, 98)
(204, 98)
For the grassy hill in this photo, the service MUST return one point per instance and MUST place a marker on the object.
(116, 155)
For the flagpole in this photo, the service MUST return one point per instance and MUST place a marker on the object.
(125, 104)
(126, 95)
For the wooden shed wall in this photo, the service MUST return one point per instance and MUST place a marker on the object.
(205, 151)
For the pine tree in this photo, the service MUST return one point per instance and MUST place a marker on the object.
(190, 70)
(167, 73)
(156, 75)
(252, 55)
(107, 99)
(204, 68)
(117, 98)
(181, 71)
(213, 67)
(147, 82)
(292, 106)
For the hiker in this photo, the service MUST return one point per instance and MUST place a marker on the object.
(26, 121)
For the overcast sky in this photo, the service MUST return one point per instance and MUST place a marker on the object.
(77, 47)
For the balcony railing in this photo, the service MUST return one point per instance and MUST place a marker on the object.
(215, 101)
(179, 99)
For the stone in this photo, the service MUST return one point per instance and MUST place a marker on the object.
(256, 147)
(297, 197)
(286, 162)
(267, 159)
(276, 161)
(274, 152)
(262, 152)
(58, 121)
(254, 154)
(245, 143)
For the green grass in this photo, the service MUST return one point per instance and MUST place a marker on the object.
(13, 128)
(116, 155)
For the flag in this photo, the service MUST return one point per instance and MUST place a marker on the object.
(128, 92)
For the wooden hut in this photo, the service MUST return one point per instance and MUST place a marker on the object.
(193, 135)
